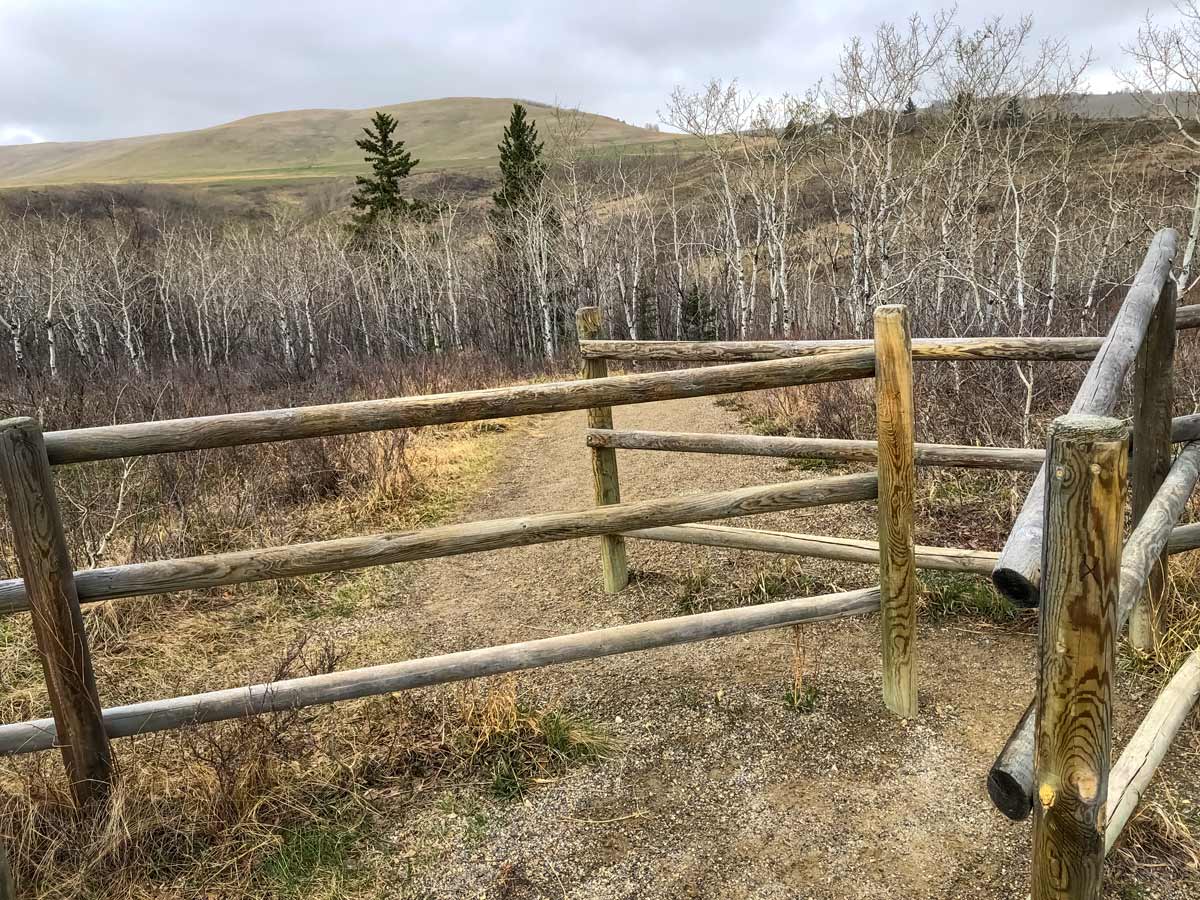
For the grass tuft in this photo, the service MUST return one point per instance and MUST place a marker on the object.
(949, 595)
(1164, 833)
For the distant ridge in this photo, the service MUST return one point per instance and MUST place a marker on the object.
(452, 132)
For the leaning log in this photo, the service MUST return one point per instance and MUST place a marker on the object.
(1139, 761)
(1011, 781)
(1016, 574)
(244, 566)
(235, 429)
(961, 456)
(296, 693)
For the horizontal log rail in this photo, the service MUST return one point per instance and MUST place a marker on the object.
(1011, 779)
(314, 690)
(237, 429)
(1047, 349)
(242, 566)
(928, 349)
(830, 449)
(964, 456)
(946, 559)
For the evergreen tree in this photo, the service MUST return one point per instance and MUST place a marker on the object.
(521, 165)
(379, 193)
(1013, 114)
(910, 108)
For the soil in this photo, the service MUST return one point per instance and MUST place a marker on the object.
(717, 787)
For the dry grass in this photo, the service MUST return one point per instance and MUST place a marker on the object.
(274, 806)
(277, 805)
(1164, 833)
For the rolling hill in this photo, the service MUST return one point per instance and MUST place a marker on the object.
(454, 132)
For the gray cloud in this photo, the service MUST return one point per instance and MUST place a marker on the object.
(87, 69)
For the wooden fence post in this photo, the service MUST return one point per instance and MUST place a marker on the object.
(588, 321)
(1081, 560)
(1153, 404)
(897, 485)
(54, 603)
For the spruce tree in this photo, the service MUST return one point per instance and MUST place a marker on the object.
(521, 165)
(1013, 114)
(379, 193)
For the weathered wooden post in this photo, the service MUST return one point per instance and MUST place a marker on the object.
(54, 604)
(1153, 403)
(897, 484)
(1081, 557)
(588, 321)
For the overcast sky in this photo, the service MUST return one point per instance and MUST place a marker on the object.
(87, 69)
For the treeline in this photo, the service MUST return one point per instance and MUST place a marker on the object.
(938, 167)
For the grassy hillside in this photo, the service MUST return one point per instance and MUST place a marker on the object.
(454, 132)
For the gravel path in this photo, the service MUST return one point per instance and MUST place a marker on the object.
(718, 788)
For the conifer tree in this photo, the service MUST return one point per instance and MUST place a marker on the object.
(379, 193)
(521, 165)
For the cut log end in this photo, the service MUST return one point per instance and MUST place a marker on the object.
(1008, 795)
(1016, 588)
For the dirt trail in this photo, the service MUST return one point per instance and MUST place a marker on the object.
(719, 789)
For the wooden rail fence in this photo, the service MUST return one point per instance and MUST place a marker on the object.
(1071, 518)
(1121, 586)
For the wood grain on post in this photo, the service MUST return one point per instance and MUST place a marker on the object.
(1086, 460)
(1010, 782)
(897, 486)
(589, 321)
(1016, 574)
(57, 622)
(296, 693)
(1153, 403)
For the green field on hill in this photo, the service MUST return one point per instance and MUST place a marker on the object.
(450, 133)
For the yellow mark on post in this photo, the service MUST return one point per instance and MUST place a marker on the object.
(1046, 795)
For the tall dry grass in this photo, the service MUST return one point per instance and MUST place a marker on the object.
(275, 805)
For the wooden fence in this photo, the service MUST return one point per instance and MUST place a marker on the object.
(1086, 458)
(1084, 484)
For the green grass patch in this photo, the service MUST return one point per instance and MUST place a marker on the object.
(810, 464)
(311, 855)
(949, 595)
(766, 426)
(801, 698)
